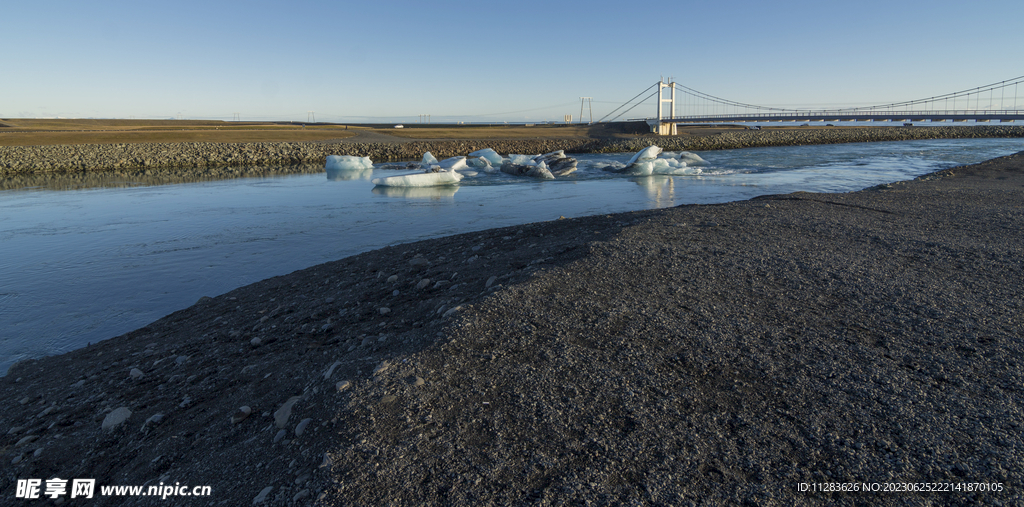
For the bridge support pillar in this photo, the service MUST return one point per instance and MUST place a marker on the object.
(665, 128)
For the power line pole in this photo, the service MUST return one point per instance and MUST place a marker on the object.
(309, 115)
(590, 102)
(236, 117)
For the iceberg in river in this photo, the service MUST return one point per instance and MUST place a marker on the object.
(691, 159)
(527, 165)
(488, 154)
(348, 163)
(420, 180)
(646, 162)
(453, 164)
(648, 153)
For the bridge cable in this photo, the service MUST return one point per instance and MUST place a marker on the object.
(634, 106)
(627, 102)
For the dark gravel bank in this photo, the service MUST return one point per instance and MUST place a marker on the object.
(217, 158)
(718, 355)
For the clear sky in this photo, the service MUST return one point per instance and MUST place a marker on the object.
(477, 60)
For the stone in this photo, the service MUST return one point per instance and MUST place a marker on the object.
(490, 281)
(392, 278)
(280, 435)
(424, 283)
(301, 427)
(135, 374)
(283, 413)
(115, 418)
(241, 414)
(343, 385)
(419, 262)
(384, 310)
(255, 342)
(26, 440)
(327, 374)
(300, 495)
(262, 497)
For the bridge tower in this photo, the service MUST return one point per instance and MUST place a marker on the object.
(657, 126)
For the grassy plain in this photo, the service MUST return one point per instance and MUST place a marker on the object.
(37, 132)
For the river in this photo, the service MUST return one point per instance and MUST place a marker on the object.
(79, 266)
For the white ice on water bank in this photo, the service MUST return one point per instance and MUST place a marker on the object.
(348, 163)
(420, 180)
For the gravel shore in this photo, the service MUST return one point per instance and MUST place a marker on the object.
(715, 354)
(197, 160)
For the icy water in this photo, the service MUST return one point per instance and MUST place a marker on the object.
(84, 265)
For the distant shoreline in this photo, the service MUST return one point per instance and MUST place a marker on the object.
(207, 158)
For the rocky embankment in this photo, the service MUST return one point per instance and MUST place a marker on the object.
(732, 354)
(197, 160)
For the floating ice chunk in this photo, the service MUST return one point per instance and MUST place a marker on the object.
(522, 159)
(648, 153)
(489, 154)
(420, 180)
(428, 160)
(691, 159)
(540, 171)
(478, 162)
(453, 164)
(467, 172)
(348, 163)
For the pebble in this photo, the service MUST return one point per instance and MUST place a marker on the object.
(39, 452)
(383, 366)
(419, 381)
(327, 374)
(423, 283)
(395, 293)
(17, 459)
(442, 283)
(300, 495)
(241, 414)
(419, 262)
(384, 310)
(490, 281)
(135, 374)
(283, 413)
(26, 440)
(255, 342)
(181, 360)
(341, 386)
(280, 434)
(262, 497)
(80, 383)
(115, 418)
(392, 278)
(301, 427)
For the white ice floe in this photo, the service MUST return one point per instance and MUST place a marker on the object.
(420, 180)
(428, 160)
(691, 159)
(648, 153)
(489, 154)
(348, 163)
(453, 163)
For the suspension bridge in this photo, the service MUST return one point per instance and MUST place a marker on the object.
(999, 102)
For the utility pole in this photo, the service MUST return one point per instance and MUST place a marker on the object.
(589, 101)
(310, 115)
(236, 117)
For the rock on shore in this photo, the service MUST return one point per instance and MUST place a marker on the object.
(720, 354)
(199, 157)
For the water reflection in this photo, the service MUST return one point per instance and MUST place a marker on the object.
(440, 192)
(660, 189)
(335, 174)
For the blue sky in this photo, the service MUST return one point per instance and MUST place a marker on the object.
(481, 61)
